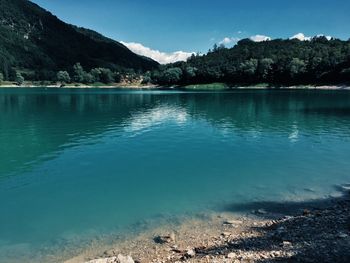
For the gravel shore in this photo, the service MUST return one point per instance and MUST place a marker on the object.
(315, 231)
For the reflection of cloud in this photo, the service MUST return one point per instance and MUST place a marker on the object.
(294, 135)
(156, 116)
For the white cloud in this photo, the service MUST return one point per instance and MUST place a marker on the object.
(161, 57)
(229, 40)
(260, 38)
(301, 37)
(328, 37)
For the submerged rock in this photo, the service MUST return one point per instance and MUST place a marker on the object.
(232, 222)
(165, 239)
(261, 212)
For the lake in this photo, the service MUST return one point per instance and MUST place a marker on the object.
(79, 164)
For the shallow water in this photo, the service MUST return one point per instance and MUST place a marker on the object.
(78, 164)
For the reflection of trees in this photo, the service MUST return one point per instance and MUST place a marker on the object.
(309, 111)
(36, 125)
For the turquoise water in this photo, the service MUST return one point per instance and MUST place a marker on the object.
(78, 164)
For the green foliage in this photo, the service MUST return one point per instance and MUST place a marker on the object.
(96, 72)
(106, 76)
(78, 73)
(1, 78)
(276, 62)
(117, 77)
(190, 73)
(146, 79)
(296, 67)
(249, 67)
(265, 68)
(88, 78)
(63, 77)
(172, 75)
(19, 79)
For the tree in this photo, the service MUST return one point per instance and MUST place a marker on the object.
(249, 67)
(19, 79)
(172, 75)
(1, 78)
(79, 73)
(106, 76)
(88, 78)
(117, 77)
(296, 67)
(96, 72)
(190, 72)
(265, 68)
(146, 79)
(63, 77)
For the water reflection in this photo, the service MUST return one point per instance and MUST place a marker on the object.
(36, 125)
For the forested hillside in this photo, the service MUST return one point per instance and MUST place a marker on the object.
(37, 44)
(278, 62)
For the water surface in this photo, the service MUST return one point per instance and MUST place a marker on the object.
(78, 164)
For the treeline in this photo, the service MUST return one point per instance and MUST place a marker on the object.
(76, 74)
(276, 62)
(79, 75)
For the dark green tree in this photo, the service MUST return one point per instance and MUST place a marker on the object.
(106, 76)
(96, 73)
(88, 78)
(19, 79)
(249, 67)
(296, 67)
(265, 68)
(63, 77)
(79, 73)
(172, 75)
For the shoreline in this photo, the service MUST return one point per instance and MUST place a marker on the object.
(179, 88)
(308, 231)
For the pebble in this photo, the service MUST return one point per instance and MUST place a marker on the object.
(226, 234)
(286, 244)
(191, 253)
(261, 212)
(342, 235)
(232, 222)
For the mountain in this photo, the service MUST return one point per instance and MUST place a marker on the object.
(34, 40)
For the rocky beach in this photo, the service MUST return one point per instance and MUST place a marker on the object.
(313, 231)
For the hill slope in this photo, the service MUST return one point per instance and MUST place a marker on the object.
(34, 39)
(275, 62)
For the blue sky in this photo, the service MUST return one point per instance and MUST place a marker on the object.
(195, 25)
